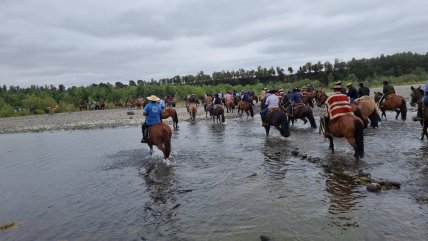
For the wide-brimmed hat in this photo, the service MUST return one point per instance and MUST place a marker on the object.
(281, 90)
(349, 84)
(338, 85)
(153, 98)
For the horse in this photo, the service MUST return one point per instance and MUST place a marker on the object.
(103, 105)
(216, 112)
(192, 110)
(392, 102)
(301, 111)
(245, 106)
(416, 97)
(138, 102)
(170, 101)
(368, 109)
(160, 135)
(207, 104)
(51, 107)
(170, 112)
(118, 104)
(308, 99)
(279, 120)
(83, 106)
(229, 105)
(322, 97)
(349, 126)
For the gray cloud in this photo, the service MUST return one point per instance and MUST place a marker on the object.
(82, 42)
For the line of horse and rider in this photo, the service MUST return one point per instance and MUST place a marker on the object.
(346, 113)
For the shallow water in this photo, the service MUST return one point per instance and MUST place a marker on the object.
(102, 184)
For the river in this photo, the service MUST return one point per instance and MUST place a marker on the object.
(225, 182)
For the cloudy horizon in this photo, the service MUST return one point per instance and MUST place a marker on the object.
(79, 43)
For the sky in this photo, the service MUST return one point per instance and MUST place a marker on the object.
(80, 42)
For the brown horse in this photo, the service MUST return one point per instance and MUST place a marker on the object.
(322, 97)
(416, 97)
(83, 106)
(392, 102)
(368, 109)
(170, 112)
(170, 102)
(192, 110)
(208, 100)
(229, 105)
(160, 135)
(308, 99)
(348, 126)
(216, 112)
(245, 106)
(279, 120)
(103, 105)
(301, 111)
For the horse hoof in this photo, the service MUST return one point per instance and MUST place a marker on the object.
(167, 162)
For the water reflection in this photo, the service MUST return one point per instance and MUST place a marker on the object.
(161, 208)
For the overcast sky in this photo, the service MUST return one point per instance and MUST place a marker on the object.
(80, 42)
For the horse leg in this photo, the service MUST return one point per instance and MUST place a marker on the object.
(267, 128)
(151, 149)
(398, 113)
(383, 113)
(424, 130)
(351, 141)
(331, 146)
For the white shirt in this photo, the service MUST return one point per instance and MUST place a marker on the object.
(272, 101)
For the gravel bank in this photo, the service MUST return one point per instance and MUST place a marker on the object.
(110, 118)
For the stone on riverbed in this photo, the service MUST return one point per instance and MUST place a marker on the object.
(373, 187)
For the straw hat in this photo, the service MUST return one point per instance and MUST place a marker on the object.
(153, 98)
(337, 85)
(349, 84)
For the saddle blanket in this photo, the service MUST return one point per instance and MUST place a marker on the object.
(338, 105)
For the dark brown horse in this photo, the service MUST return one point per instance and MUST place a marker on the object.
(216, 112)
(193, 108)
(301, 111)
(208, 100)
(348, 126)
(392, 102)
(103, 105)
(279, 120)
(417, 96)
(170, 112)
(247, 107)
(308, 99)
(83, 106)
(322, 97)
(160, 136)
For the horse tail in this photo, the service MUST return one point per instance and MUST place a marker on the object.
(251, 110)
(167, 146)
(285, 125)
(403, 110)
(175, 118)
(358, 113)
(359, 138)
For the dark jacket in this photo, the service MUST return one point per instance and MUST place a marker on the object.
(364, 90)
(388, 89)
(352, 93)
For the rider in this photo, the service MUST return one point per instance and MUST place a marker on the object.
(387, 90)
(152, 112)
(352, 93)
(216, 101)
(246, 97)
(337, 105)
(162, 104)
(424, 100)
(363, 90)
(271, 102)
(296, 99)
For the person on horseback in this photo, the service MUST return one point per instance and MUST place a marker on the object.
(363, 90)
(387, 90)
(296, 99)
(152, 111)
(419, 115)
(352, 93)
(337, 105)
(271, 102)
(162, 104)
(216, 101)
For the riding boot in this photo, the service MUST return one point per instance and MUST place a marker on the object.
(143, 130)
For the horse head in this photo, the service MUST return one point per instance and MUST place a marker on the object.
(377, 96)
(321, 98)
(416, 95)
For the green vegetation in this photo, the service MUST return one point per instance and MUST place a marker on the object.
(401, 68)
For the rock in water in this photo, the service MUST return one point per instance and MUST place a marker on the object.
(130, 113)
(373, 187)
(265, 238)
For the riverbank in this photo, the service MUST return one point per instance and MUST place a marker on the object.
(113, 117)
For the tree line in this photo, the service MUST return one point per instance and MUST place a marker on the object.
(400, 68)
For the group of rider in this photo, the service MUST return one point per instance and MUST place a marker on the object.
(153, 110)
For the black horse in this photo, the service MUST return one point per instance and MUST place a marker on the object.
(279, 120)
(417, 96)
(301, 111)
